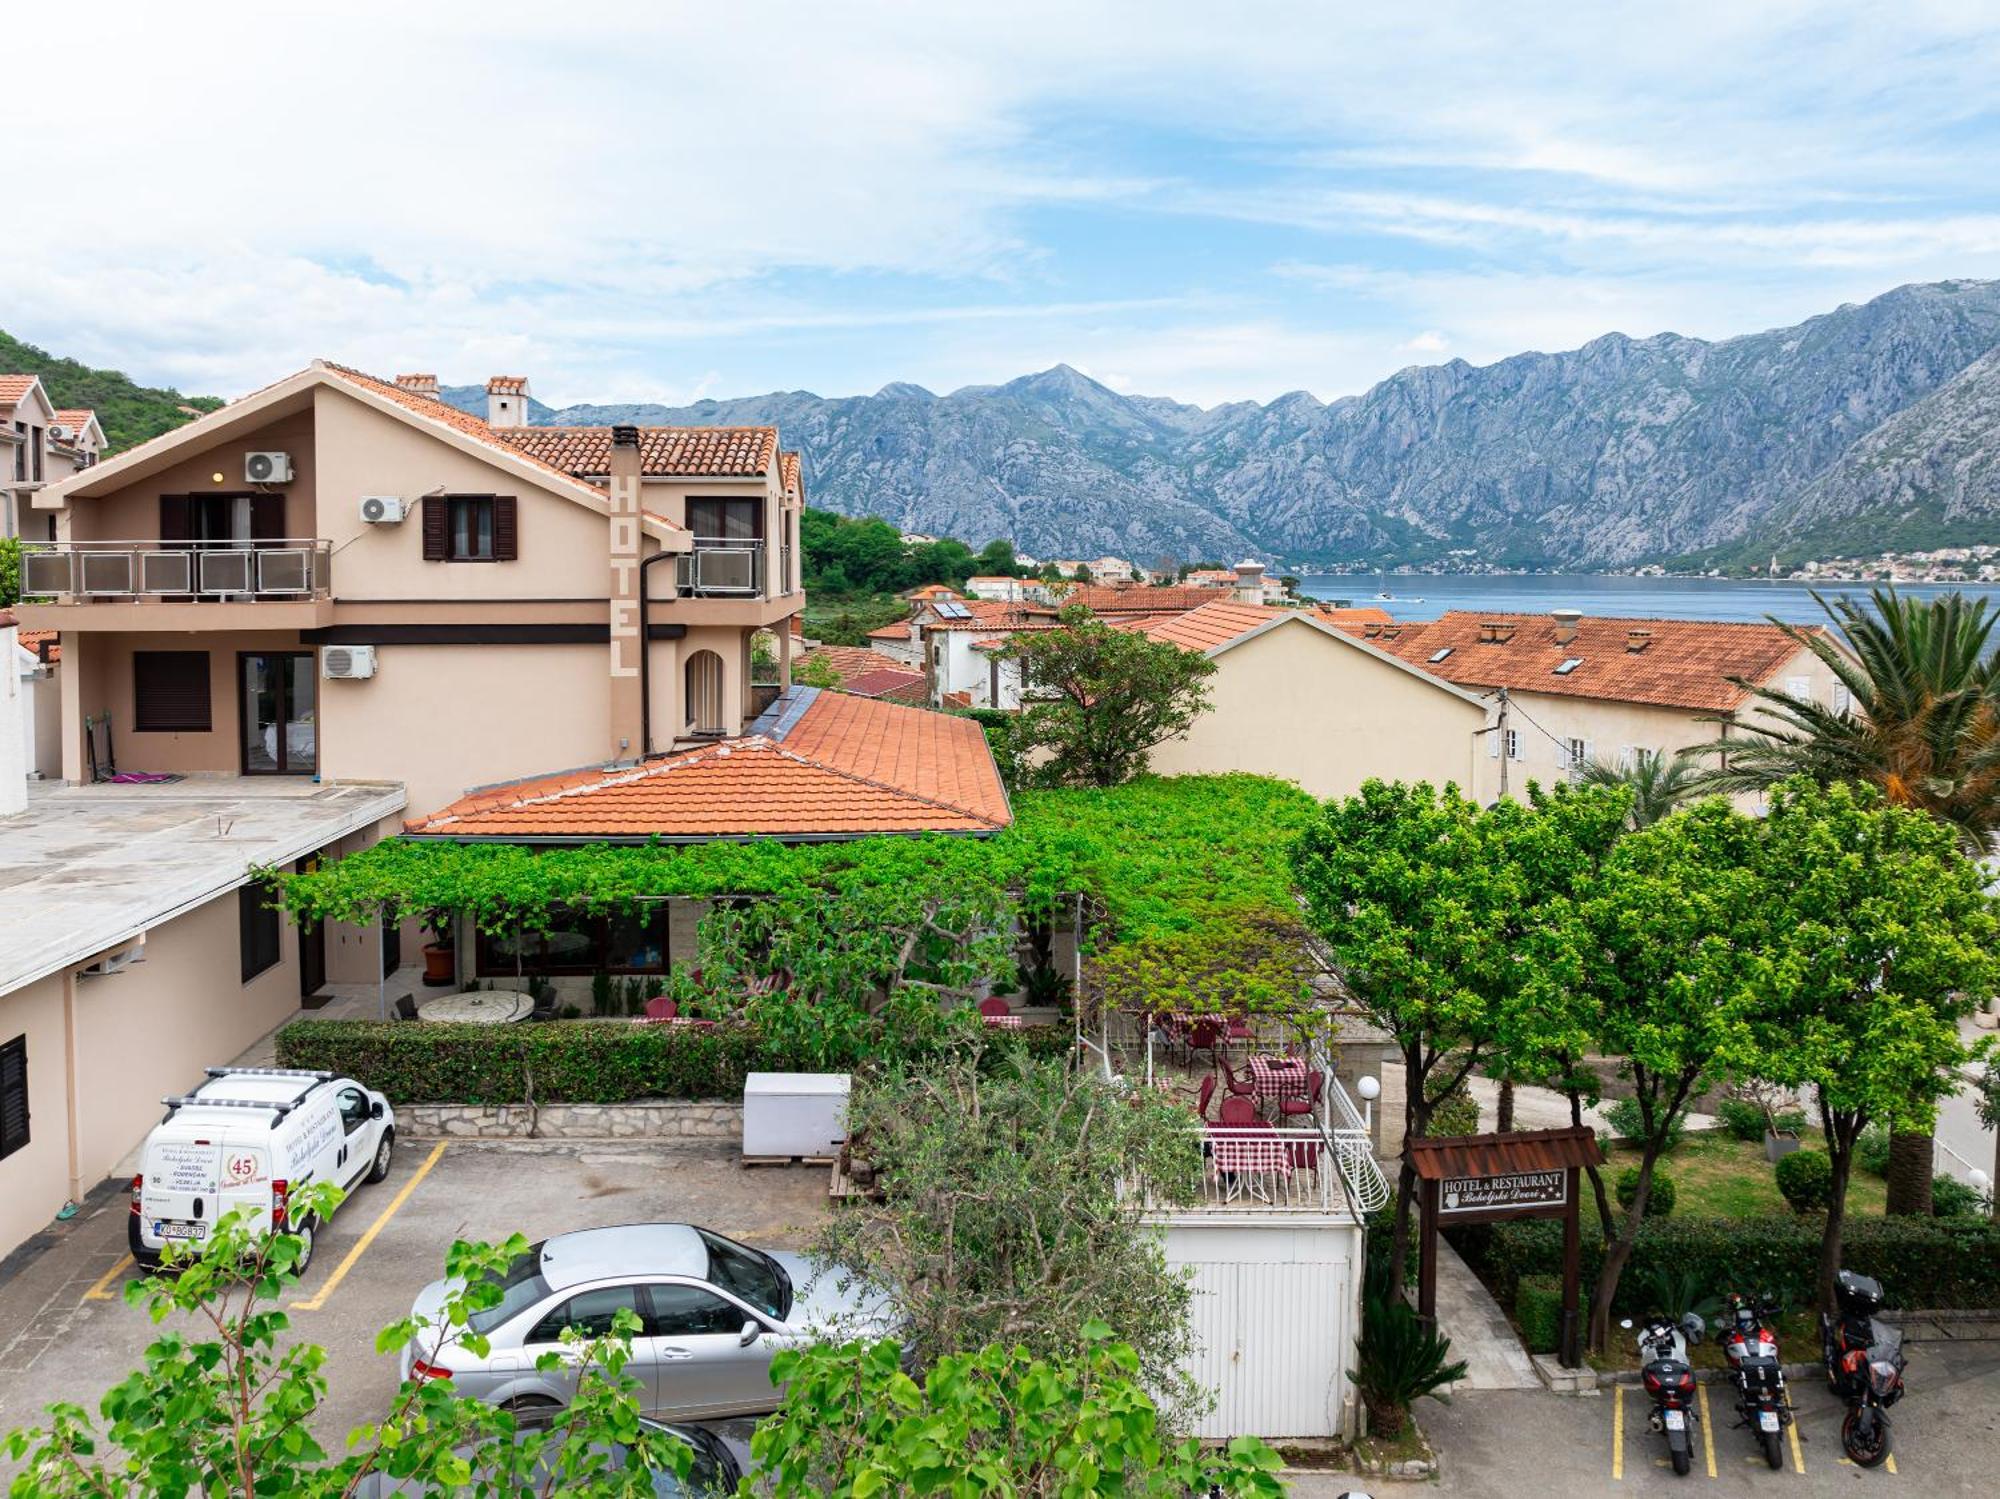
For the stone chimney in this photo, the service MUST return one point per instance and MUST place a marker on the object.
(1250, 582)
(419, 385)
(507, 401)
(1566, 623)
(13, 715)
(627, 631)
(1637, 640)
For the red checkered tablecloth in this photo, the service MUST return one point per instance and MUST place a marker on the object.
(1251, 1150)
(1279, 1077)
(1004, 1022)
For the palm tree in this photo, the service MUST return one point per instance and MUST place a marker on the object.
(1658, 783)
(1922, 724)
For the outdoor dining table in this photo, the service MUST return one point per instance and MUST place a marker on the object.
(478, 1007)
(1004, 1022)
(1273, 1078)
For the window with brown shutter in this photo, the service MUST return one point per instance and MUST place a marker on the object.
(170, 692)
(506, 529)
(437, 528)
(13, 1095)
(471, 528)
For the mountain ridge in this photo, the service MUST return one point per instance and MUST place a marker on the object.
(1622, 451)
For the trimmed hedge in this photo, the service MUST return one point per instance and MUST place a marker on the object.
(568, 1061)
(1659, 1197)
(1538, 1307)
(1805, 1178)
(1923, 1262)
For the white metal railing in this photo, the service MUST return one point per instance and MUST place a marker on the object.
(1292, 1170)
(284, 567)
(720, 566)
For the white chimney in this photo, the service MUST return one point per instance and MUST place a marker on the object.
(419, 385)
(1250, 582)
(507, 401)
(1566, 623)
(13, 722)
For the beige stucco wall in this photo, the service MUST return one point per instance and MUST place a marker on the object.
(149, 1031)
(132, 513)
(1297, 704)
(103, 663)
(34, 1180)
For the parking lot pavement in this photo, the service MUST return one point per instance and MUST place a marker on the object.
(1522, 1445)
(66, 1334)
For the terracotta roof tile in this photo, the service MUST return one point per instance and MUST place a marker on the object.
(14, 387)
(32, 640)
(664, 452)
(822, 764)
(1685, 663)
(1211, 625)
(507, 385)
(76, 418)
(791, 476)
(848, 660)
(895, 630)
(893, 684)
(1101, 600)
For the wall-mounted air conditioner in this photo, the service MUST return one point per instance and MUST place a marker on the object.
(383, 509)
(347, 663)
(267, 468)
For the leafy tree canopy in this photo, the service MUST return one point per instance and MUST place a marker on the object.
(129, 413)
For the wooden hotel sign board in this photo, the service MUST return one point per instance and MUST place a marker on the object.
(1487, 1178)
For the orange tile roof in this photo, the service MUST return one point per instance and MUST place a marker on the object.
(31, 640)
(1367, 614)
(895, 630)
(664, 452)
(817, 764)
(14, 387)
(1137, 600)
(1686, 663)
(895, 684)
(1211, 625)
(76, 418)
(852, 662)
(791, 477)
(507, 385)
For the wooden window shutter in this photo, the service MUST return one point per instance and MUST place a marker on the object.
(437, 528)
(267, 517)
(506, 529)
(170, 693)
(13, 1095)
(174, 522)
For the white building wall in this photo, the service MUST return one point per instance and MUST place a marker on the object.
(1276, 1312)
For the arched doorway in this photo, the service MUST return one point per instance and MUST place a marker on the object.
(703, 693)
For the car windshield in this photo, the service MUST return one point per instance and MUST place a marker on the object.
(755, 1278)
(520, 1288)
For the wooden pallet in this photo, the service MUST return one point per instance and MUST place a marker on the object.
(843, 1188)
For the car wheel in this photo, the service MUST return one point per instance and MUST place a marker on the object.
(384, 1149)
(527, 1409)
(304, 1233)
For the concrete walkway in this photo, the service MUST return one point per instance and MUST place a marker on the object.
(1479, 1330)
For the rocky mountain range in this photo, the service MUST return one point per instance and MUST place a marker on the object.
(1868, 426)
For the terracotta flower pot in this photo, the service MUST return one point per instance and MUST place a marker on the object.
(440, 964)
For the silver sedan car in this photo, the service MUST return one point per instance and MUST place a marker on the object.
(712, 1314)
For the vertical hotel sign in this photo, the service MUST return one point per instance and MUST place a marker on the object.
(624, 575)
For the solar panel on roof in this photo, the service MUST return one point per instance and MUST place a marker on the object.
(1437, 656)
(952, 609)
(1569, 666)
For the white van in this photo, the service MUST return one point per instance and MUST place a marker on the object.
(248, 1138)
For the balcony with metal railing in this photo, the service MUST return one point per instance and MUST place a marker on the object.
(729, 568)
(281, 582)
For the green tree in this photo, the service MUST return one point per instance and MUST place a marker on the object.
(997, 1420)
(228, 1411)
(1096, 701)
(10, 570)
(1881, 936)
(1923, 728)
(1658, 783)
(1008, 1215)
(1675, 923)
(996, 560)
(816, 671)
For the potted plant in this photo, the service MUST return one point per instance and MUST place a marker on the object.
(441, 952)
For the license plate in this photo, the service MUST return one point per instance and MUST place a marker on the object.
(1676, 1420)
(166, 1230)
(1768, 1420)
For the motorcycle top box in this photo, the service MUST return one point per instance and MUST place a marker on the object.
(1667, 1377)
(1858, 1295)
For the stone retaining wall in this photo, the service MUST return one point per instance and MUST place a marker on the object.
(660, 1119)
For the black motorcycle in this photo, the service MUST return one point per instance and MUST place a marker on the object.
(1669, 1382)
(1750, 1347)
(1864, 1366)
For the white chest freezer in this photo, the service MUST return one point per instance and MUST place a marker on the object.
(795, 1113)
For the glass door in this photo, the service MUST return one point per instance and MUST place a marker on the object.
(280, 713)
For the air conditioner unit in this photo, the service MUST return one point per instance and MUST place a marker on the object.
(115, 961)
(347, 663)
(383, 509)
(267, 468)
(58, 432)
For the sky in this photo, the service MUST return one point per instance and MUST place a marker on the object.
(1211, 202)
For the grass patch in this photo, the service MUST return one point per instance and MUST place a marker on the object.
(1720, 1177)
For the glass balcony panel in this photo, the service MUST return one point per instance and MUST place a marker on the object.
(106, 572)
(47, 572)
(166, 572)
(225, 572)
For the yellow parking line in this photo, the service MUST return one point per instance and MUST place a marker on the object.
(102, 1290)
(1617, 1431)
(361, 1245)
(1891, 1462)
(1707, 1435)
(1792, 1430)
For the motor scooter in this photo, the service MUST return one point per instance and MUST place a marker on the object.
(1669, 1382)
(1750, 1347)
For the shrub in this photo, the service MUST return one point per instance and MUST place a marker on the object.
(561, 1062)
(1923, 1262)
(1659, 1200)
(1871, 1150)
(1456, 1114)
(1538, 1306)
(1627, 1124)
(1805, 1177)
(1952, 1198)
(1743, 1112)
(1741, 1118)
(1397, 1362)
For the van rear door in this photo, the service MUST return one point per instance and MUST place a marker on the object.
(180, 1197)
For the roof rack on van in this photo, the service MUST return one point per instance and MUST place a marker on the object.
(180, 1101)
(318, 1077)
